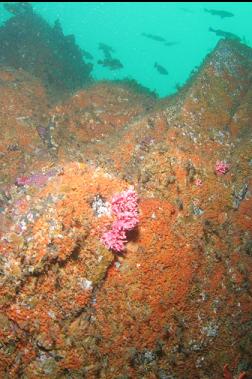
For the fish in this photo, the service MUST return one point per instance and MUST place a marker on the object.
(112, 63)
(160, 69)
(154, 37)
(220, 13)
(103, 46)
(86, 54)
(224, 34)
(171, 43)
(186, 10)
(159, 39)
(107, 50)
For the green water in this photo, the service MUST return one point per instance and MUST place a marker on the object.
(121, 25)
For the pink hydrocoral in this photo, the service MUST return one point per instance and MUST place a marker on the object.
(114, 239)
(35, 179)
(124, 207)
(198, 182)
(221, 167)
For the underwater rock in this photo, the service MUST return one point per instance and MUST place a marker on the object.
(46, 52)
(18, 8)
(177, 302)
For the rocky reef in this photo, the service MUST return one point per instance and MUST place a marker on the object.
(28, 42)
(177, 302)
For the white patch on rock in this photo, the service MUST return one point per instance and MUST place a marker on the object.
(101, 207)
(86, 284)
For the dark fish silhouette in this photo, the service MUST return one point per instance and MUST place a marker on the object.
(171, 43)
(160, 69)
(222, 14)
(86, 54)
(107, 50)
(224, 34)
(111, 63)
(186, 10)
(159, 39)
(154, 37)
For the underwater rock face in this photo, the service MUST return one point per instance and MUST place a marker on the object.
(177, 302)
(45, 52)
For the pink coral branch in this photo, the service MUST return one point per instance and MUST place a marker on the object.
(125, 208)
(221, 167)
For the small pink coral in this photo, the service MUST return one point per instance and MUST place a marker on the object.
(114, 239)
(22, 180)
(221, 167)
(125, 202)
(198, 182)
(125, 208)
(39, 179)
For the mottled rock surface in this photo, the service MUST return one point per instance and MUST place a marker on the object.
(177, 302)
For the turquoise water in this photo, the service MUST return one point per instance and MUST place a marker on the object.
(121, 25)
